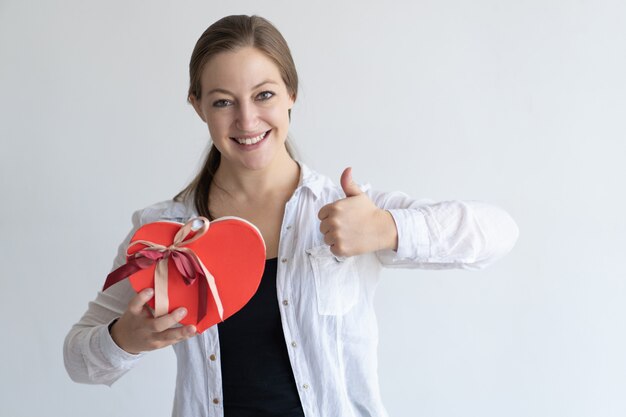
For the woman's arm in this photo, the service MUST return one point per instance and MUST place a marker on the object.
(448, 234)
(108, 340)
(90, 354)
(419, 234)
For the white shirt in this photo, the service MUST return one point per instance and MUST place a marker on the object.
(326, 303)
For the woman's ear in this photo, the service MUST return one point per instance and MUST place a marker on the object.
(196, 105)
(292, 101)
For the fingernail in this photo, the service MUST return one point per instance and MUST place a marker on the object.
(149, 292)
(191, 330)
(181, 313)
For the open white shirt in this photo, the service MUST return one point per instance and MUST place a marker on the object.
(326, 303)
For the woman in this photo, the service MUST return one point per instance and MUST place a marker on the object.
(306, 342)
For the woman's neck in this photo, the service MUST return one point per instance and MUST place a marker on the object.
(280, 177)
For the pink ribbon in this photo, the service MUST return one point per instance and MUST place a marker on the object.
(186, 261)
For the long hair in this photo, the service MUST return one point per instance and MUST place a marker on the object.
(229, 34)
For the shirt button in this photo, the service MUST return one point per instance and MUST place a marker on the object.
(305, 386)
(212, 357)
(284, 260)
(216, 401)
(285, 302)
(289, 227)
(294, 344)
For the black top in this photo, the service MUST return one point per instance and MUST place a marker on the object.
(256, 374)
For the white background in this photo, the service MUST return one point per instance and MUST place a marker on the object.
(521, 104)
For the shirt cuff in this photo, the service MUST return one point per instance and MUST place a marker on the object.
(413, 237)
(115, 355)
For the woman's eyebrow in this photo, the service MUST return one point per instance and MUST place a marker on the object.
(219, 90)
(223, 91)
(263, 83)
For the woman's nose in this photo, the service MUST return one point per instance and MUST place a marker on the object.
(247, 118)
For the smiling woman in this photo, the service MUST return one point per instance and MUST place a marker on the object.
(227, 36)
(306, 344)
(246, 110)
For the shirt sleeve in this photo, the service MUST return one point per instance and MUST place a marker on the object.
(447, 234)
(90, 354)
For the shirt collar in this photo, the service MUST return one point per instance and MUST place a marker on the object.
(311, 180)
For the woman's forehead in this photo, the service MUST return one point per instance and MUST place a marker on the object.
(239, 70)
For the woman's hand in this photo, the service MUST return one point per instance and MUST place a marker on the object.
(354, 225)
(138, 331)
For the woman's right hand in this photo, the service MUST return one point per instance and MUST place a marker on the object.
(138, 331)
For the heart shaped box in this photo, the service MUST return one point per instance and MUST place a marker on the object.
(232, 250)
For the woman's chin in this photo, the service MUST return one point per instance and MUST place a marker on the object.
(252, 162)
(262, 158)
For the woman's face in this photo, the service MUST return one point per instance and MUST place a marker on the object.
(245, 103)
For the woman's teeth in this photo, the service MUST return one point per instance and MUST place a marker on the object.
(251, 141)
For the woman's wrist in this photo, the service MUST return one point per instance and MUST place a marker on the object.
(388, 232)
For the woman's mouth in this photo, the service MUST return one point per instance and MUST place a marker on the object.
(251, 140)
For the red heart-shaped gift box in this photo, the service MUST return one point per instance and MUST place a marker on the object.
(231, 249)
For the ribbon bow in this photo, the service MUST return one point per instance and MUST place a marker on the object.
(186, 261)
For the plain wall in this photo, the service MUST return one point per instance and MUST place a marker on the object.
(521, 104)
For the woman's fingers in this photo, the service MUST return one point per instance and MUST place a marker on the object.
(138, 331)
(163, 323)
(137, 303)
(323, 213)
(355, 225)
(175, 335)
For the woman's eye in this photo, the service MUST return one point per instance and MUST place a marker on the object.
(265, 95)
(221, 103)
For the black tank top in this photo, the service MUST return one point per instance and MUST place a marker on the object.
(256, 374)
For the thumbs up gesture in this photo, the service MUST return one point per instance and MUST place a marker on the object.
(355, 225)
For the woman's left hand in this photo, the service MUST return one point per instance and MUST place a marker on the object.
(354, 225)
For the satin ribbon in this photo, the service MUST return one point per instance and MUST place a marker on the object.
(186, 261)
